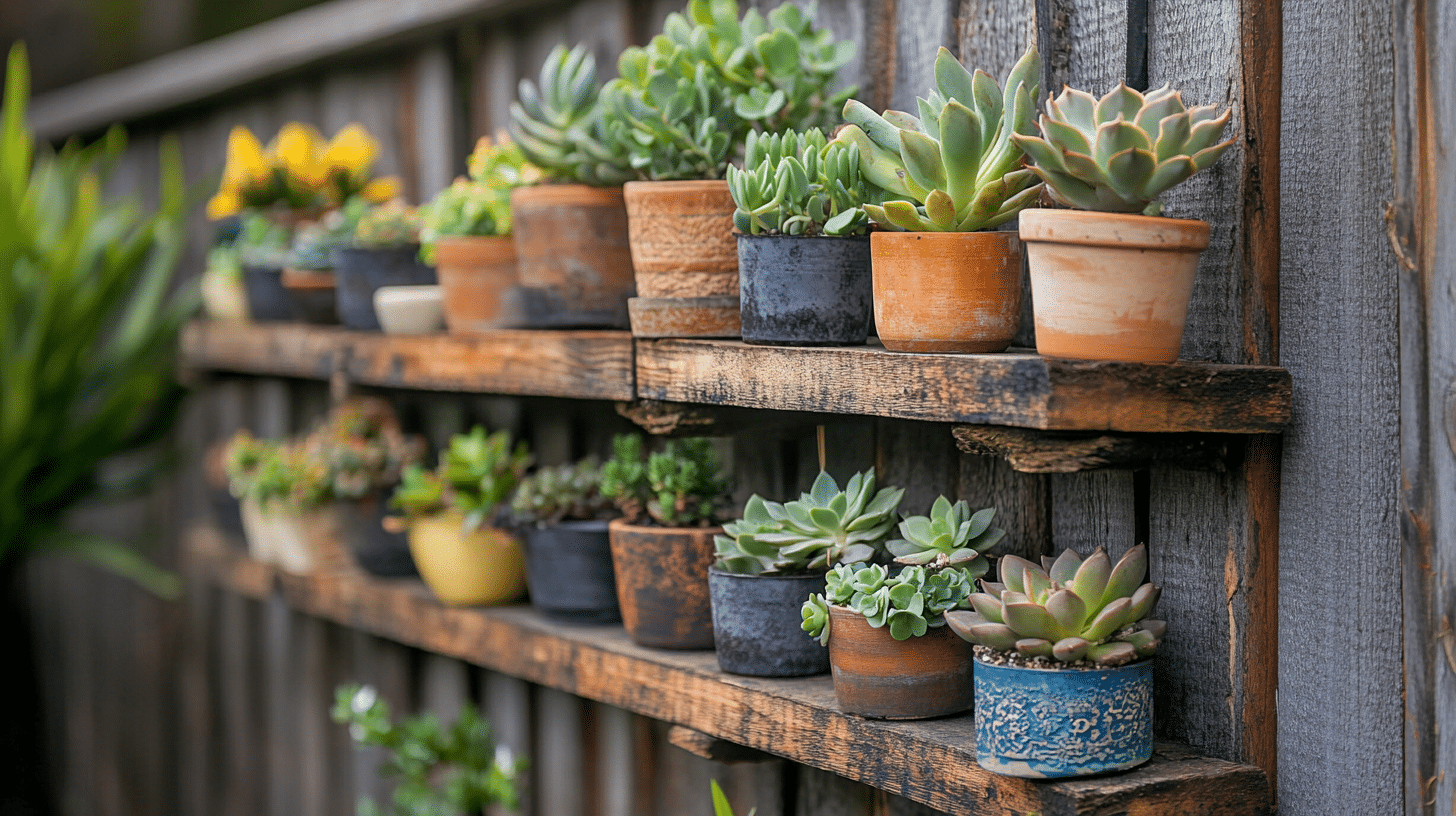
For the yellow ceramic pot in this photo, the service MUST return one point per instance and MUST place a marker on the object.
(484, 567)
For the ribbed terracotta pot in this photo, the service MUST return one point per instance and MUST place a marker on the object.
(946, 291)
(1109, 286)
(573, 255)
(878, 676)
(662, 583)
(685, 258)
(475, 275)
(483, 567)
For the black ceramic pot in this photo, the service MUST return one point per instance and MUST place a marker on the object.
(756, 624)
(569, 571)
(376, 550)
(796, 291)
(359, 272)
(268, 300)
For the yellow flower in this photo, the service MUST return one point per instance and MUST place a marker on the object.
(225, 203)
(352, 150)
(246, 166)
(381, 189)
(298, 150)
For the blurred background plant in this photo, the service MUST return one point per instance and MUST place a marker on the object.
(480, 203)
(299, 171)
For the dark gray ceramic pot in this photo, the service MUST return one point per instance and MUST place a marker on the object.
(756, 624)
(569, 571)
(359, 272)
(796, 291)
(376, 550)
(268, 300)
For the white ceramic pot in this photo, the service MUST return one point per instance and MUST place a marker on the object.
(409, 309)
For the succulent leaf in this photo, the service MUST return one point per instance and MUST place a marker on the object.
(1070, 650)
(1035, 647)
(1112, 654)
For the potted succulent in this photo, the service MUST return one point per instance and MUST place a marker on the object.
(774, 557)
(223, 297)
(1111, 279)
(262, 248)
(309, 274)
(684, 106)
(943, 279)
(1064, 680)
(465, 232)
(284, 496)
(803, 243)
(571, 232)
(568, 549)
(464, 556)
(891, 653)
(383, 251)
(663, 545)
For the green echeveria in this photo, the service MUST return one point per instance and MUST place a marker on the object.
(559, 125)
(1120, 152)
(1067, 610)
(951, 536)
(799, 184)
(909, 603)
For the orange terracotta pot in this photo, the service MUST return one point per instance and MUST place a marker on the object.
(573, 254)
(682, 238)
(878, 676)
(662, 583)
(946, 291)
(475, 273)
(1109, 286)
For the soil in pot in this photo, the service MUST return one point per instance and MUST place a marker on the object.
(376, 550)
(662, 583)
(358, 272)
(475, 276)
(683, 248)
(482, 567)
(1110, 286)
(1042, 723)
(268, 301)
(574, 259)
(878, 676)
(797, 291)
(946, 291)
(756, 624)
(569, 570)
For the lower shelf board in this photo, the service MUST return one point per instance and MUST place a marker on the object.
(929, 761)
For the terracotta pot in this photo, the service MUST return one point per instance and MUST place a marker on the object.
(662, 583)
(299, 541)
(475, 273)
(715, 316)
(946, 291)
(1109, 286)
(574, 259)
(878, 676)
(483, 567)
(682, 238)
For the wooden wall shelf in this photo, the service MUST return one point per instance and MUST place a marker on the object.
(930, 761)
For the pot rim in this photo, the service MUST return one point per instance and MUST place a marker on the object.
(1009, 237)
(713, 570)
(1066, 669)
(568, 193)
(1119, 230)
(621, 523)
(673, 186)
(740, 235)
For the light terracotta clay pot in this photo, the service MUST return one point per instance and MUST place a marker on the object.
(573, 253)
(475, 273)
(1110, 286)
(682, 238)
(946, 291)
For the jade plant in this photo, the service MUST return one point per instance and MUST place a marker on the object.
(1067, 610)
(1121, 152)
(480, 203)
(799, 184)
(957, 167)
(559, 126)
(910, 603)
(391, 224)
(951, 536)
(677, 487)
(569, 491)
(475, 475)
(826, 527)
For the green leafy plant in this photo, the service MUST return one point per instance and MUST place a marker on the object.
(391, 224)
(362, 448)
(89, 317)
(261, 241)
(799, 184)
(721, 807)
(824, 528)
(275, 474)
(1120, 152)
(951, 536)
(476, 474)
(678, 487)
(314, 242)
(1067, 610)
(569, 491)
(910, 603)
(958, 159)
(559, 123)
(480, 203)
(442, 770)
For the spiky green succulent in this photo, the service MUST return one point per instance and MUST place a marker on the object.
(798, 184)
(951, 536)
(558, 123)
(475, 474)
(1067, 610)
(910, 603)
(569, 491)
(1120, 152)
(825, 527)
(957, 159)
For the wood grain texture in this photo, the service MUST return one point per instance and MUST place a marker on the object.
(1341, 462)
(931, 761)
(921, 28)
(1031, 451)
(870, 25)
(1022, 502)
(1017, 389)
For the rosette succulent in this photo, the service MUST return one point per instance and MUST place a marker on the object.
(569, 491)
(909, 603)
(799, 184)
(1120, 152)
(958, 159)
(391, 224)
(951, 536)
(559, 124)
(678, 487)
(1067, 610)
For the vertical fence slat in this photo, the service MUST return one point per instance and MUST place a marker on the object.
(507, 703)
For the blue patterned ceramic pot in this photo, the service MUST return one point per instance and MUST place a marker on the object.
(1050, 723)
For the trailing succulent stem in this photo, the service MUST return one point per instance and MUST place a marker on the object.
(909, 603)
(559, 123)
(951, 536)
(799, 184)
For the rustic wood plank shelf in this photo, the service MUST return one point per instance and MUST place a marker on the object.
(931, 761)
